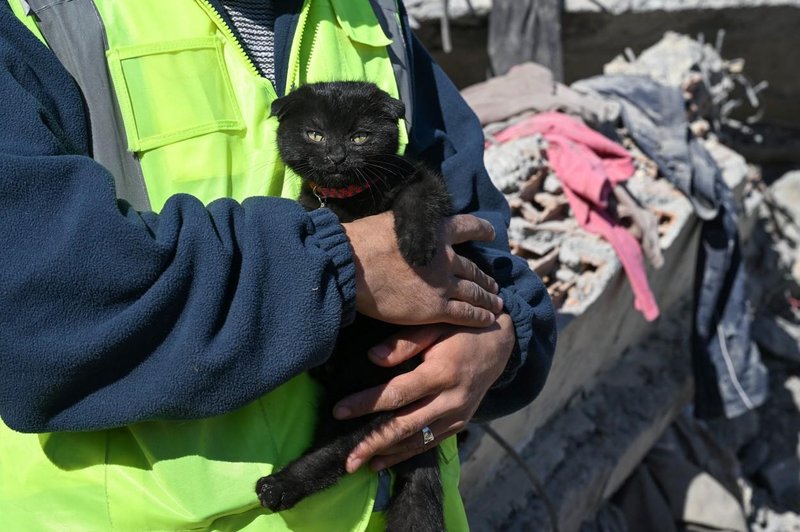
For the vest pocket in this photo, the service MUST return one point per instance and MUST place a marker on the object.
(173, 91)
(358, 22)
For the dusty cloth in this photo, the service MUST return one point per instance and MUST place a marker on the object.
(644, 224)
(654, 116)
(531, 87)
(730, 378)
(588, 166)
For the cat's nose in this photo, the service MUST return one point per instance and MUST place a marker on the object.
(337, 156)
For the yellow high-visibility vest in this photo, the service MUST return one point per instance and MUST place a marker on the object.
(195, 114)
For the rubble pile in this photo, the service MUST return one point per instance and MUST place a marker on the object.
(575, 264)
(770, 458)
(715, 88)
(741, 474)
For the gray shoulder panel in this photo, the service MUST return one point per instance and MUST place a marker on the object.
(387, 13)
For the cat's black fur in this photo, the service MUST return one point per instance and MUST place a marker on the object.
(339, 112)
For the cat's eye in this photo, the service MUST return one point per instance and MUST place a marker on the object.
(316, 136)
(360, 137)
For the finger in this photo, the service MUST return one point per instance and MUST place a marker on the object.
(465, 227)
(404, 345)
(416, 442)
(464, 268)
(397, 393)
(471, 293)
(391, 433)
(382, 462)
(467, 315)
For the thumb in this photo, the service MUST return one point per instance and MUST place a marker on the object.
(405, 345)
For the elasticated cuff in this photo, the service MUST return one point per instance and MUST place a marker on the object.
(331, 238)
(520, 313)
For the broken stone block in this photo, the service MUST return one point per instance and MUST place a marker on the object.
(732, 165)
(513, 163)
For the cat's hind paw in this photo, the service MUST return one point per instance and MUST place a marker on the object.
(279, 494)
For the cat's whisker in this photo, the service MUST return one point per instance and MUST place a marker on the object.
(398, 159)
(378, 178)
(386, 166)
(402, 169)
(368, 184)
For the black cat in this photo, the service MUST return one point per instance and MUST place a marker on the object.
(342, 139)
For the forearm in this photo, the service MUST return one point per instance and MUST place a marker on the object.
(108, 317)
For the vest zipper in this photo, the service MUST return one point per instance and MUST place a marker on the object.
(294, 53)
(223, 26)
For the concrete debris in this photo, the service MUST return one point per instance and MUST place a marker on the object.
(733, 166)
(516, 163)
(520, 169)
(785, 194)
(757, 477)
(575, 265)
(768, 520)
(710, 83)
(672, 61)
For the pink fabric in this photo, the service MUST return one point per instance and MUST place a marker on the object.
(588, 166)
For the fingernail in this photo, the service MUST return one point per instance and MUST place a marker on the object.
(380, 351)
(341, 412)
(353, 464)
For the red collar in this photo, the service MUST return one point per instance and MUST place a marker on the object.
(324, 193)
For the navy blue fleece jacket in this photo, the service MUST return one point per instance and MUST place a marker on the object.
(109, 316)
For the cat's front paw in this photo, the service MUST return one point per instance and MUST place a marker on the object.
(417, 251)
(279, 493)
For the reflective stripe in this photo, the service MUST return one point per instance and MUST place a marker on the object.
(75, 33)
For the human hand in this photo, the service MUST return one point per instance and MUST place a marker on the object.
(451, 289)
(442, 393)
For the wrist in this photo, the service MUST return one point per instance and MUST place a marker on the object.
(506, 344)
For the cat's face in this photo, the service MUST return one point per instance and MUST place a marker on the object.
(335, 134)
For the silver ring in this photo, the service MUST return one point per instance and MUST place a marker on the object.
(427, 436)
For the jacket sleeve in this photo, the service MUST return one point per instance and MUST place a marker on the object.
(109, 316)
(447, 134)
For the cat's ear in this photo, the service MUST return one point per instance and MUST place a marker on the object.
(281, 106)
(397, 109)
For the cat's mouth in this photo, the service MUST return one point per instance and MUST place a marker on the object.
(336, 179)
